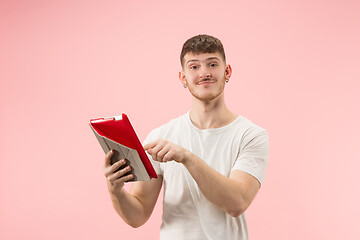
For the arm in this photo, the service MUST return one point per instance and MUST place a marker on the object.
(231, 194)
(136, 206)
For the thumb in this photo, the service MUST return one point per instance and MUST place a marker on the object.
(149, 150)
(108, 158)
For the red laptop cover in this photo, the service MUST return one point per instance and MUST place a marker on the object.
(122, 132)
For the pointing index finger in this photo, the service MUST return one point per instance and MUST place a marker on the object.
(150, 145)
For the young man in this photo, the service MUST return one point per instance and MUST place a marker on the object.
(212, 162)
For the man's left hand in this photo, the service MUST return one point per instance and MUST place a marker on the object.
(164, 151)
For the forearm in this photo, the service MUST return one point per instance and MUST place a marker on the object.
(129, 208)
(227, 194)
(232, 194)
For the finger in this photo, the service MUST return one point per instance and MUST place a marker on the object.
(124, 179)
(113, 168)
(156, 149)
(150, 145)
(149, 151)
(168, 156)
(160, 145)
(123, 175)
(108, 158)
(119, 174)
(162, 153)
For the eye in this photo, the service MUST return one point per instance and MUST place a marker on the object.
(213, 64)
(193, 67)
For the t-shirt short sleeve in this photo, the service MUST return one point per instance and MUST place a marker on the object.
(253, 157)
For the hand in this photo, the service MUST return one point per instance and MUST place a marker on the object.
(164, 151)
(116, 176)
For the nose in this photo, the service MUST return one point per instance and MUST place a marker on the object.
(205, 74)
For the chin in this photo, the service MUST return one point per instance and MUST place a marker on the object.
(206, 97)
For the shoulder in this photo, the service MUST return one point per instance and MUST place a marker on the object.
(247, 130)
(246, 126)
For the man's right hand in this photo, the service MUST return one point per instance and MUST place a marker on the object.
(116, 178)
(135, 206)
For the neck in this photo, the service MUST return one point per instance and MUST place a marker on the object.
(211, 114)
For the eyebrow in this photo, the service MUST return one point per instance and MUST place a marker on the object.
(208, 59)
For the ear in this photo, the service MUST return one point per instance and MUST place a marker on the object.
(228, 71)
(182, 78)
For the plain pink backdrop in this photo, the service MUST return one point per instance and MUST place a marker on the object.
(295, 73)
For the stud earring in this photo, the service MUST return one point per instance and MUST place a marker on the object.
(227, 80)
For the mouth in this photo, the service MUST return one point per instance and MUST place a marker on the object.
(206, 81)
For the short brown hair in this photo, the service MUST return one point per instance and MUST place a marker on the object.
(202, 44)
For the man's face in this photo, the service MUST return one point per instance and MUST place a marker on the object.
(205, 75)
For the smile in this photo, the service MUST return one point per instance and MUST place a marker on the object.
(206, 82)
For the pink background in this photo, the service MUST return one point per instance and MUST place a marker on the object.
(295, 72)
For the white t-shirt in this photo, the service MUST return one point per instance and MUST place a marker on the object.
(187, 214)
